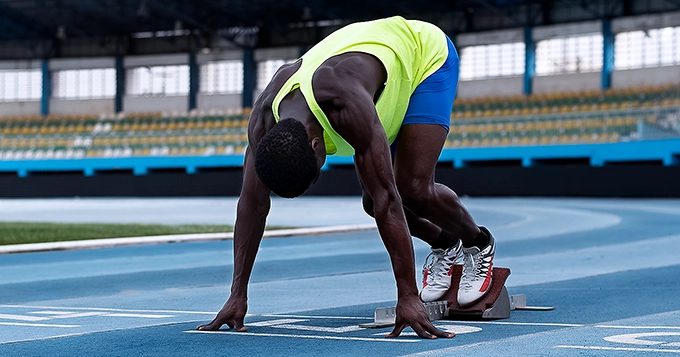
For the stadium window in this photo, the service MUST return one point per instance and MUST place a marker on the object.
(267, 69)
(84, 83)
(576, 54)
(158, 80)
(22, 85)
(222, 77)
(490, 61)
(650, 48)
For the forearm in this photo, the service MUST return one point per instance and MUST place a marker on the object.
(389, 215)
(248, 233)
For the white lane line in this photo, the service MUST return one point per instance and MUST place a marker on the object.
(640, 327)
(175, 238)
(46, 338)
(36, 325)
(78, 314)
(521, 323)
(640, 338)
(305, 336)
(343, 329)
(51, 312)
(275, 322)
(141, 316)
(23, 317)
(317, 317)
(629, 349)
(458, 330)
(112, 309)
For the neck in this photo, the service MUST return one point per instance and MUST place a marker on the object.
(294, 106)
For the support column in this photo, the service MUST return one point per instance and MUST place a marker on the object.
(529, 60)
(607, 53)
(46, 88)
(249, 77)
(120, 85)
(193, 80)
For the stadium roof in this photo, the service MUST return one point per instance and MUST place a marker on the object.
(263, 23)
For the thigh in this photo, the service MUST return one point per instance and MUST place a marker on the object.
(417, 151)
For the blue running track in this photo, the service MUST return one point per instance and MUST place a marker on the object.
(609, 267)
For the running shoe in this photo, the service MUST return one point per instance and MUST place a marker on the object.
(477, 272)
(437, 272)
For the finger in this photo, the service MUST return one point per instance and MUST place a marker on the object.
(396, 331)
(422, 333)
(212, 326)
(440, 333)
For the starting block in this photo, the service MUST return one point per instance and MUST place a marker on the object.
(496, 304)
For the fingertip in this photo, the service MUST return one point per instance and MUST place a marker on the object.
(242, 329)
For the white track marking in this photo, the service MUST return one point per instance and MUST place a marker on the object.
(174, 238)
(317, 317)
(305, 336)
(112, 309)
(36, 325)
(640, 338)
(288, 324)
(275, 322)
(629, 349)
(457, 329)
(141, 316)
(23, 317)
(521, 323)
(640, 327)
(45, 338)
(343, 329)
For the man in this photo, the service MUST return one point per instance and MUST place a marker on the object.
(365, 87)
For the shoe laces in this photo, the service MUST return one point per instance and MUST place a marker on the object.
(433, 265)
(471, 268)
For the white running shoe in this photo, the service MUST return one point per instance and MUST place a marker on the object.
(437, 272)
(477, 272)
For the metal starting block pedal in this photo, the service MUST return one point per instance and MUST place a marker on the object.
(497, 304)
(385, 316)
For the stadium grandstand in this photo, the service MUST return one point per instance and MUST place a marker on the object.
(151, 97)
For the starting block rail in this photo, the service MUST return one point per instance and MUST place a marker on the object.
(497, 303)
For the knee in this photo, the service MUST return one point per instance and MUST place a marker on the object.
(415, 195)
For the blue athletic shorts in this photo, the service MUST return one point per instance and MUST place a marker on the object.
(432, 101)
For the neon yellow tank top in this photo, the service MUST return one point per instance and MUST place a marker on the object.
(410, 51)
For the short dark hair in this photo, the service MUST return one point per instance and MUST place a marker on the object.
(284, 159)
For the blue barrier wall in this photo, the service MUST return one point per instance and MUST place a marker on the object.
(666, 152)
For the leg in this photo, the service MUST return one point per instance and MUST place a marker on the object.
(419, 227)
(418, 149)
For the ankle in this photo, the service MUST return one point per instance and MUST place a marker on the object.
(482, 239)
(444, 241)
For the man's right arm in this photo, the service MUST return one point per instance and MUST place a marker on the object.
(251, 215)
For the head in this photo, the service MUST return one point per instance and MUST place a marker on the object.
(287, 161)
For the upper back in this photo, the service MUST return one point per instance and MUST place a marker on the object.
(409, 51)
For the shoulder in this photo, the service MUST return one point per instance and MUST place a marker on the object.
(262, 118)
(345, 76)
(272, 89)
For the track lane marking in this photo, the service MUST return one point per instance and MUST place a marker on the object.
(323, 337)
(36, 325)
(630, 349)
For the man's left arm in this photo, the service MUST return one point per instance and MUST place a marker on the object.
(354, 117)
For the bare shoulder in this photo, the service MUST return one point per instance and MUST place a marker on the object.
(262, 118)
(280, 77)
(341, 77)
